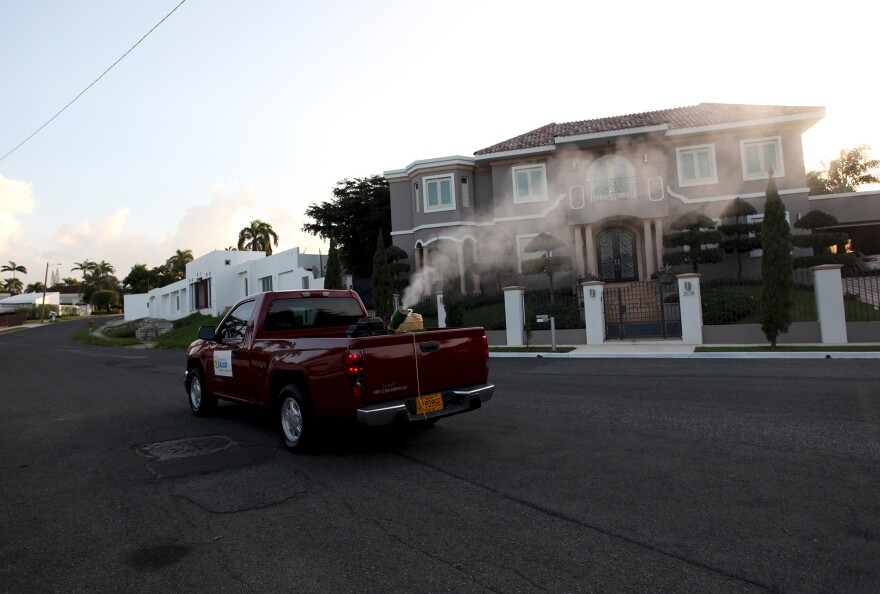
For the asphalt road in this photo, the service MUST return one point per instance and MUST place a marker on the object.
(580, 475)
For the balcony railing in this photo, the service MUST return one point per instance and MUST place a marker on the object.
(610, 190)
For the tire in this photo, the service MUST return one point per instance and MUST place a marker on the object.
(295, 418)
(200, 402)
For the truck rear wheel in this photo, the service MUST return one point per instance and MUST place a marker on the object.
(200, 402)
(295, 418)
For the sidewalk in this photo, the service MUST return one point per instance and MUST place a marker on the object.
(671, 349)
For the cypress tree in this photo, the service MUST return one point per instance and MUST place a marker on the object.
(333, 274)
(776, 267)
(381, 281)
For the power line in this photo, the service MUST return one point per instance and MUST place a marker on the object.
(71, 102)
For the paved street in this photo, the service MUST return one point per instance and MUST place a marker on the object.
(580, 475)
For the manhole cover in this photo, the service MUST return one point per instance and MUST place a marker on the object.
(185, 448)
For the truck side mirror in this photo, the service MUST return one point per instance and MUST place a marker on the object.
(207, 333)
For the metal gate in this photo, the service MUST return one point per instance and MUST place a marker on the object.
(642, 310)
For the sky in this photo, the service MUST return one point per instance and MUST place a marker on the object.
(231, 111)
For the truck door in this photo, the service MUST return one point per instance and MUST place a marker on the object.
(229, 369)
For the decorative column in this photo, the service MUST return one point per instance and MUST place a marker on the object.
(514, 314)
(475, 258)
(691, 304)
(829, 303)
(594, 311)
(650, 262)
(592, 261)
(441, 311)
(461, 277)
(578, 251)
(658, 241)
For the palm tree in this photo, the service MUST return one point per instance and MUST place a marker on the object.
(177, 263)
(258, 237)
(86, 267)
(12, 286)
(13, 268)
(36, 287)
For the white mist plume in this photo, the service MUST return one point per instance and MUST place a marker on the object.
(419, 285)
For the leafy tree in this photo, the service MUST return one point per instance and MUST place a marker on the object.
(359, 211)
(177, 263)
(13, 268)
(845, 174)
(257, 237)
(453, 301)
(69, 282)
(36, 287)
(742, 236)
(333, 273)
(161, 276)
(820, 241)
(546, 263)
(12, 286)
(138, 279)
(776, 267)
(399, 270)
(102, 300)
(694, 241)
(381, 282)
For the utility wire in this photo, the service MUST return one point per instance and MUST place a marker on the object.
(20, 144)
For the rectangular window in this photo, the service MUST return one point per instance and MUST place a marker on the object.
(521, 254)
(529, 183)
(757, 218)
(439, 193)
(760, 155)
(416, 194)
(696, 165)
(465, 193)
(266, 284)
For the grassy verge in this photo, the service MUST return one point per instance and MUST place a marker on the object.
(185, 331)
(531, 349)
(850, 348)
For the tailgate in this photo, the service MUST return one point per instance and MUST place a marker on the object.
(423, 362)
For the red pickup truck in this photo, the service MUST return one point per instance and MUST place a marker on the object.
(299, 353)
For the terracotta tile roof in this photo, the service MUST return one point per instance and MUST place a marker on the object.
(704, 114)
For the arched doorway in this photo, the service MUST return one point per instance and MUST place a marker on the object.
(616, 248)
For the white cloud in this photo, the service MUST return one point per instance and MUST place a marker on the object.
(16, 198)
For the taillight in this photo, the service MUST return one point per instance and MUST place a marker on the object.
(354, 371)
(486, 349)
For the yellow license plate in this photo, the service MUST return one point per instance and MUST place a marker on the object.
(429, 403)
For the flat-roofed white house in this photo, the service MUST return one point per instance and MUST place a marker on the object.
(216, 281)
(29, 300)
(609, 189)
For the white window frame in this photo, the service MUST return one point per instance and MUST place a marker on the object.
(779, 171)
(695, 150)
(427, 181)
(521, 255)
(757, 218)
(265, 284)
(535, 194)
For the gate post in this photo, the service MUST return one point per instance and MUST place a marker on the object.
(691, 303)
(829, 303)
(514, 314)
(594, 311)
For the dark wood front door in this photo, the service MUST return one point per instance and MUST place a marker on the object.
(616, 248)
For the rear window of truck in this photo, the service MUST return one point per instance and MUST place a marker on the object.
(321, 312)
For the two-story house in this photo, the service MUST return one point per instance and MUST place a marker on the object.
(608, 188)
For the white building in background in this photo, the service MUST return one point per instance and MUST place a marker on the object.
(216, 281)
(30, 300)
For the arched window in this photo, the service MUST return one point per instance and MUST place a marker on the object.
(611, 177)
